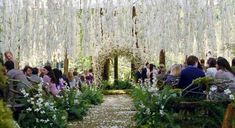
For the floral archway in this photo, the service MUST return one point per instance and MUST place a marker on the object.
(135, 55)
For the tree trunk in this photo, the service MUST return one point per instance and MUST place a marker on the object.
(115, 68)
(66, 64)
(106, 70)
(162, 58)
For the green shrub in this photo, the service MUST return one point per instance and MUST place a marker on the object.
(41, 110)
(92, 95)
(166, 108)
(6, 119)
(117, 85)
(71, 101)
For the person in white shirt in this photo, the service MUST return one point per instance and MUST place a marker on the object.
(211, 70)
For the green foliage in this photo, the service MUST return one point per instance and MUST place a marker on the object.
(92, 95)
(151, 107)
(166, 108)
(71, 101)
(6, 119)
(3, 78)
(117, 85)
(41, 110)
(206, 81)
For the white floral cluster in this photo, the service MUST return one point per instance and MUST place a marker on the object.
(135, 55)
(40, 105)
(160, 99)
(214, 94)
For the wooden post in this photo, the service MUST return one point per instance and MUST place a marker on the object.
(106, 70)
(115, 68)
(66, 63)
(228, 116)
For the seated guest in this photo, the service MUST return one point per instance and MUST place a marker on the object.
(190, 73)
(224, 71)
(173, 77)
(34, 77)
(16, 75)
(27, 71)
(211, 70)
(49, 80)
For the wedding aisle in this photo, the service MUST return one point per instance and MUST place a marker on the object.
(116, 111)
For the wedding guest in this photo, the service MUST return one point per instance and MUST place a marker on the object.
(16, 74)
(34, 77)
(190, 73)
(224, 71)
(9, 57)
(173, 78)
(211, 70)
(49, 80)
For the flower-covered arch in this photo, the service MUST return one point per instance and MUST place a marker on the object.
(135, 55)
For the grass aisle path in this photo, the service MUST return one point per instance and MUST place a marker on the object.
(116, 111)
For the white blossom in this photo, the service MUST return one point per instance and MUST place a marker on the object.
(29, 109)
(37, 110)
(213, 88)
(161, 112)
(42, 112)
(227, 91)
(231, 97)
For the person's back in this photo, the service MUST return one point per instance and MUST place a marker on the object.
(34, 77)
(190, 73)
(18, 75)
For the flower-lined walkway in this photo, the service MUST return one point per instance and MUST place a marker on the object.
(116, 111)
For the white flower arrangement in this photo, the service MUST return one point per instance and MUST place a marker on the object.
(42, 107)
(133, 54)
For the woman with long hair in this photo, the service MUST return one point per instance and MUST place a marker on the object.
(49, 80)
(224, 71)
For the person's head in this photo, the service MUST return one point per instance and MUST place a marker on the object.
(90, 70)
(9, 65)
(70, 76)
(27, 70)
(46, 70)
(211, 62)
(192, 61)
(151, 67)
(233, 61)
(75, 73)
(8, 55)
(58, 74)
(147, 64)
(202, 62)
(223, 64)
(35, 71)
(175, 70)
